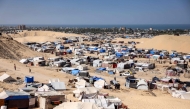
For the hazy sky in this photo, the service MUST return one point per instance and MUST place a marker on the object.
(94, 12)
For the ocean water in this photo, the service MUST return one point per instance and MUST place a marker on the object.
(133, 26)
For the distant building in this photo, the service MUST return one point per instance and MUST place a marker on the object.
(150, 29)
(21, 27)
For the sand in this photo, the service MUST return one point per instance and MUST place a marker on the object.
(163, 42)
(41, 36)
(135, 99)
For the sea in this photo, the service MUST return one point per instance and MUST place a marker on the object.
(132, 26)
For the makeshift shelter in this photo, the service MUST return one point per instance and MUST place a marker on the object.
(15, 99)
(142, 85)
(84, 73)
(6, 78)
(75, 72)
(44, 88)
(77, 105)
(86, 90)
(181, 94)
(119, 55)
(97, 63)
(49, 100)
(170, 73)
(39, 63)
(109, 64)
(99, 84)
(124, 65)
(29, 79)
(58, 86)
(82, 67)
(80, 84)
(24, 61)
(102, 103)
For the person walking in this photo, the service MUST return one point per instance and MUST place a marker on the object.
(15, 66)
(29, 70)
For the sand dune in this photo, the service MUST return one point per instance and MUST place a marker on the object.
(40, 36)
(164, 42)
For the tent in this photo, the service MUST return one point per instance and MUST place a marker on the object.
(102, 51)
(15, 99)
(181, 94)
(80, 84)
(87, 90)
(102, 103)
(97, 63)
(142, 85)
(170, 73)
(44, 88)
(119, 55)
(75, 72)
(82, 67)
(99, 84)
(58, 85)
(24, 61)
(54, 80)
(77, 105)
(6, 78)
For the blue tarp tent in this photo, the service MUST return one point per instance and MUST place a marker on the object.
(69, 41)
(96, 48)
(75, 72)
(152, 52)
(172, 55)
(16, 95)
(97, 78)
(102, 69)
(102, 51)
(111, 72)
(69, 51)
(29, 79)
(118, 55)
(127, 36)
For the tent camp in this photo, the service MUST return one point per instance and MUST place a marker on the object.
(6, 78)
(77, 105)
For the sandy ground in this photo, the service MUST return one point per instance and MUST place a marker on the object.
(135, 99)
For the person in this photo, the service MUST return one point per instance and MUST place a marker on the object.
(14, 66)
(29, 70)
(184, 88)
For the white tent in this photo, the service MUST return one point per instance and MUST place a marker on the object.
(87, 90)
(77, 105)
(24, 61)
(58, 85)
(5, 78)
(82, 67)
(44, 88)
(142, 85)
(102, 103)
(80, 84)
(99, 84)
(181, 94)
(54, 80)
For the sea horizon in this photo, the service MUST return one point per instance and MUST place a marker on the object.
(132, 26)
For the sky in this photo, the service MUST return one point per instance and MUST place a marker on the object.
(92, 12)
